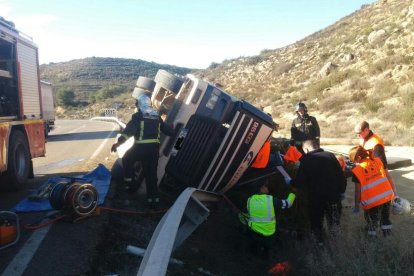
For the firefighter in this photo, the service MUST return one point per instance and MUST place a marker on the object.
(261, 220)
(373, 143)
(321, 177)
(373, 190)
(304, 127)
(145, 126)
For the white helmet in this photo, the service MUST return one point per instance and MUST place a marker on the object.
(401, 206)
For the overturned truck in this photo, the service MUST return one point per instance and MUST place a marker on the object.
(217, 136)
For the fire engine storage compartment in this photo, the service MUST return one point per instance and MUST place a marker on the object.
(9, 102)
(218, 142)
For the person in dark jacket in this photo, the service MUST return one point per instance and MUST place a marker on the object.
(304, 127)
(145, 126)
(321, 177)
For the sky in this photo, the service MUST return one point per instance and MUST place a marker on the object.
(187, 33)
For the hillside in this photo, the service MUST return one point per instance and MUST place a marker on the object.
(361, 67)
(88, 75)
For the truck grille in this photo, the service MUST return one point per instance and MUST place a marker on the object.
(198, 148)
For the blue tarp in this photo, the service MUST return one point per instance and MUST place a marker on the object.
(99, 177)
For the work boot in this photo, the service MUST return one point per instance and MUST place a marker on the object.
(386, 232)
(371, 234)
(153, 203)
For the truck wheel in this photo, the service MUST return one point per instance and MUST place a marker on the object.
(145, 83)
(168, 81)
(18, 166)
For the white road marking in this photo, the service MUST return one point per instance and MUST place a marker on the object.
(19, 263)
(101, 146)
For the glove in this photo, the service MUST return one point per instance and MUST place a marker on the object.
(292, 142)
(355, 210)
(114, 147)
(288, 180)
(290, 199)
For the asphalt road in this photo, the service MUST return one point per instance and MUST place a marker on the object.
(63, 248)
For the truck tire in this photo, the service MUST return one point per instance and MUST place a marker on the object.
(168, 81)
(145, 83)
(19, 162)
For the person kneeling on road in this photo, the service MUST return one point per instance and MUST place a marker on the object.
(373, 190)
(145, 126)
(261, 219)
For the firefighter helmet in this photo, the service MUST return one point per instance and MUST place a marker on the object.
(401, 206)
(301, 106)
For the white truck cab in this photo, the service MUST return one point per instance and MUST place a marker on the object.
(217, 136)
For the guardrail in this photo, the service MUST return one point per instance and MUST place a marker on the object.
(176, 225)
(109, 119)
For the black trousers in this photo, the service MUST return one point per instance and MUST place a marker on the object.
(147, 154)
(258, 242)
(320, 209)
(379, 214)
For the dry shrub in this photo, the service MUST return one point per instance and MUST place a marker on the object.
(352, 253)
(280, 68)
(333, 79)
(388, 63)
(406, 116)
(385, 88)
(359, 84)
(333, 102)
(371, 104)
(399, 136)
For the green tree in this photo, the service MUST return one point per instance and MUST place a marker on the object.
(65, 96)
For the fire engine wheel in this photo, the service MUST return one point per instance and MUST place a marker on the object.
(168, 81)
(18, 168)
(145, 83)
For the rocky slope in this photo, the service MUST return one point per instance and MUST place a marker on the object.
(361, 67)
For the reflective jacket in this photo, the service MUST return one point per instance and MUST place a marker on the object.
(375, 187)
(145, 128)
(292, 154)
(262, 157)
(261, 211)
(371, 142)
(376, 145)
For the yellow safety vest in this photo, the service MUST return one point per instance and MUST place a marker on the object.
(261, 211)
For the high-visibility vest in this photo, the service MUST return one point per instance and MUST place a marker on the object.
(371, 142)
(261, 211)
(375, 187)
(292, 154)
(262, 157)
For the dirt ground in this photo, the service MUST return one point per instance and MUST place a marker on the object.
(220, 247)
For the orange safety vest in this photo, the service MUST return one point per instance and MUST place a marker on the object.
(371, 142)
(375, 187)
(262, 157)
(292, 154)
